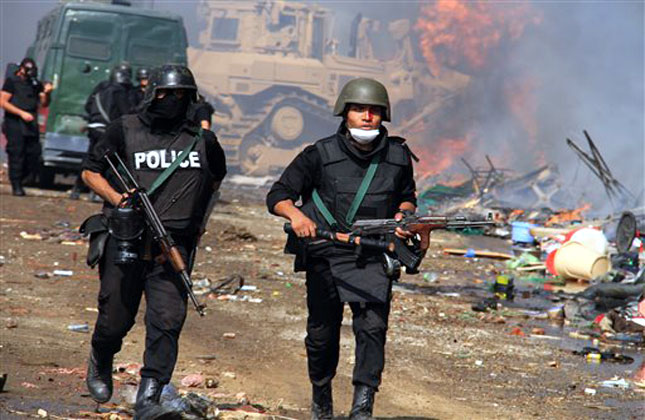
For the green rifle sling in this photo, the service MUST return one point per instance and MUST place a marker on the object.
(356, 203)
(175, 164)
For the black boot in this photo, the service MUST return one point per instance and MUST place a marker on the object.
(148, 407)
(363, 403)
(16, 187)
(99, 376)
(321, 403)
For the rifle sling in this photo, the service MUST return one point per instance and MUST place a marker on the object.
(356, 203)
(175, 164)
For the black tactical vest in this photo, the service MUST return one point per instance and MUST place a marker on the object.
(179, 200)
(342, 175)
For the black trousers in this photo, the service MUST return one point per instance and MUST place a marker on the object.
(369, 323)
(121, 289)
(23, 150)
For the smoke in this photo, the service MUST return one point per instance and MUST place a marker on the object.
(541, 72)
(554, 69)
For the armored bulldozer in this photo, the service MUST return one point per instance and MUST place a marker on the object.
(273, 72)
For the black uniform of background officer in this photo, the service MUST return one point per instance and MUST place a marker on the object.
(139, 91)
(109, 100)
(145, 141)
(334, 167)
(21, 95)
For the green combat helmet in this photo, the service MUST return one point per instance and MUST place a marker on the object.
(363, 91)
(169, 76)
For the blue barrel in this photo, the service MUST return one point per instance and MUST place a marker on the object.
(520, 232)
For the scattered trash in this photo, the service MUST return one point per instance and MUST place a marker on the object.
(3, 381)
(594, 355)
(82, 328)
(484, 305)
(504, 287)
(430, 277)
(590, 391)
(212, 383)
(479, 362)
(517, 331)
(229, 335)
(42, 274)
(478, 253)
(42, 413)
(63, 273)
(248, 288)
(193, 380)
(31, 236)
(615, 383)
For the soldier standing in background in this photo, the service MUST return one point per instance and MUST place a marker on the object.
(139, 91)
(109, 100)
(22, 93)
(357, 173)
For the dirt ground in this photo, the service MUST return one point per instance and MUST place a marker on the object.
(443, 360)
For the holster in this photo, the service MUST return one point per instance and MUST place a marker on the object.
(96, 227)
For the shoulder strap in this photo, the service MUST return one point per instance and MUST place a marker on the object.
(99, 105)
(356, 203)
(175, 164)
(362, 190)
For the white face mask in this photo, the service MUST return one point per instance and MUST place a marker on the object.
(363, 136)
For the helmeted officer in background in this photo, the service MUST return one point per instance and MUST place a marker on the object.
(327, 176)
(109, 100)
(139, 91)
(22, 93)
(148, 142)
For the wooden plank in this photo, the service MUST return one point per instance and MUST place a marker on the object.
(479, 253)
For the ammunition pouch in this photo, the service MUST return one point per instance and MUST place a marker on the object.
(96, 228)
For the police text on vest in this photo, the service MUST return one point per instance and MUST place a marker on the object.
(159, 159)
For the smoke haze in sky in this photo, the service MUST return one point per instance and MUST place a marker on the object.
(584, 63)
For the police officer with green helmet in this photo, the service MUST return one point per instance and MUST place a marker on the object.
(182, 195)
(360, 172)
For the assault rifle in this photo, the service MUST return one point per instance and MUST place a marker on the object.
(410, 252)
(163, 238)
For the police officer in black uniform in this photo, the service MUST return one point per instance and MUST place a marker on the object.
(327, 176)
(22, 93)
(148, 142)
(109, 100)
(139, 91)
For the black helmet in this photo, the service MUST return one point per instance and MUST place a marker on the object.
(363, 91)
(121, 74)
(29, 65)
(142, 74)
(169, 76)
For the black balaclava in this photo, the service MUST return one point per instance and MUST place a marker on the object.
(169, 111)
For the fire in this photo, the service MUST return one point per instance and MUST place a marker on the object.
(457, 32)
(564, 216)
(440, 155)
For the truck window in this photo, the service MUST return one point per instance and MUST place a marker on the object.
(90, 36)
(151, 41)
(224, 29)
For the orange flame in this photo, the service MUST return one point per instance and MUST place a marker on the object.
(454, 31)
(563, 216)
(440, 155)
